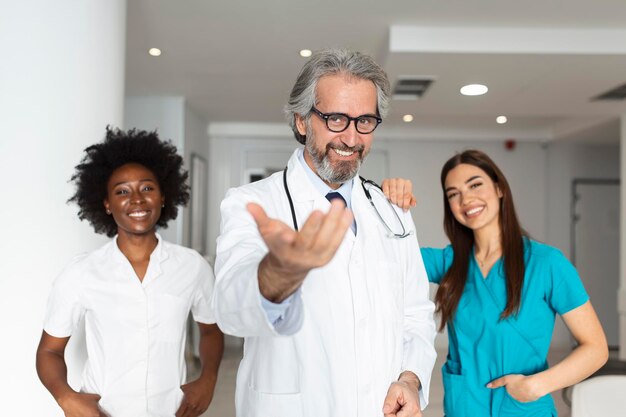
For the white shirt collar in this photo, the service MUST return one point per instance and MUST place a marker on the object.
(158, 255)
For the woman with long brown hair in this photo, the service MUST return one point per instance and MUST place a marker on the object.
(499, 292)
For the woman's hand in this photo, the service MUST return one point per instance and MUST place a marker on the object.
(400, 192)
(199, 393)
(198, 396)
(78, 404)
(521, 387)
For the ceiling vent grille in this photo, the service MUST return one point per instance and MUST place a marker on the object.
(618, 93)
(411, 87)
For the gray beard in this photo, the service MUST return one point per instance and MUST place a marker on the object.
(343, 171)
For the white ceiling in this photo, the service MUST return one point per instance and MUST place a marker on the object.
(236, 61)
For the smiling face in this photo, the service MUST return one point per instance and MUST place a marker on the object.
(473, 197)
(134, 199)
(337, 157)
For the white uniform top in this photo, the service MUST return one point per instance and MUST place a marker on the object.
(350, 330)
(135, 330)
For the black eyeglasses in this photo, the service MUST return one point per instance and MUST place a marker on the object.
(338, 122)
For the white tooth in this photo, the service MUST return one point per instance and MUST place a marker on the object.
(474, 211)
(343, 153)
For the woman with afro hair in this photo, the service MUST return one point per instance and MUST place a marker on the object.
(135, 293)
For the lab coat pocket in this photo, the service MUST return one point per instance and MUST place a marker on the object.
(275, 366)
(275, 405)
(454, 393)
(510, 407)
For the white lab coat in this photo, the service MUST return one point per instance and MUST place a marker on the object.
(354, 325)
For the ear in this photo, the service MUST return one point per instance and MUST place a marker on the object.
(162, 201)
(301, 124)
(106, 205)
(500, 195)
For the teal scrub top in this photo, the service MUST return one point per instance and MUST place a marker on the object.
(483, 348)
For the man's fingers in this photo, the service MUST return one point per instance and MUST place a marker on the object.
(275, 233)
(309, 230)
(258, 214)
(333, 228)
(393, 401)
(342, 227)
(408, 413)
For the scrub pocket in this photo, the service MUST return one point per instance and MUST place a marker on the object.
(543, 407)
(454, 392)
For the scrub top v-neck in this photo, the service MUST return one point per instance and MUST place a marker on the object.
(482, 347)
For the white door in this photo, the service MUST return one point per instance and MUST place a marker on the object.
(596, 254)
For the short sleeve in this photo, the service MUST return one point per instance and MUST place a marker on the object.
(565, 289)
(64, 309)
(437, 262)
(201, 307)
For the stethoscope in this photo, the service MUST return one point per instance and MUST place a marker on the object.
(367, 186)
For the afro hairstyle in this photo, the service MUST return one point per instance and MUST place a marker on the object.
(119, 148)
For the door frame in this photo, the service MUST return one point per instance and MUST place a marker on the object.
(574, 219)
(574, 199)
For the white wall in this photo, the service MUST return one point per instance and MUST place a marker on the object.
(567, 161)
(167, 116)
(196, 142)
(61, 83)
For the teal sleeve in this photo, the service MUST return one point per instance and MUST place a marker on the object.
(436, 262)
(565, 289)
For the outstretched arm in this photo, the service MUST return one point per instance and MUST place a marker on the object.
(292, 254)
(52, 372)
(589, 356)
(260, 258)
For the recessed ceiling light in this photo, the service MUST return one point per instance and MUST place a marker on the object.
(474, 90)
(154, 51)
(501, 120)
(305, 53)
(408, 118)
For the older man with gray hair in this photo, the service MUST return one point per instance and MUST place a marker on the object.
(318, 272)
